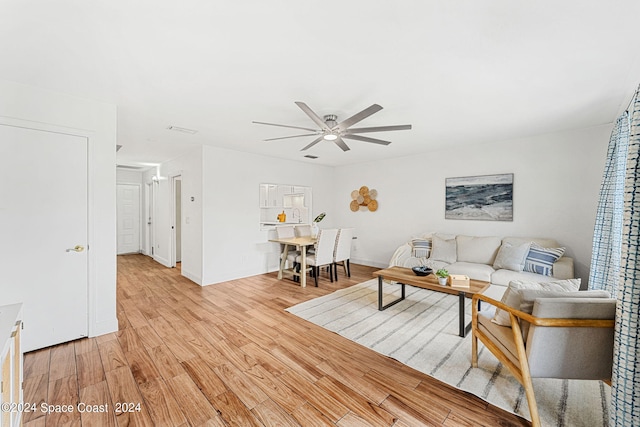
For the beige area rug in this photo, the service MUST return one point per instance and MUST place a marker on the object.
(422, 332)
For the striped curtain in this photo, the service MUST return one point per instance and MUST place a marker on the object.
(625, 390)
(607, 235)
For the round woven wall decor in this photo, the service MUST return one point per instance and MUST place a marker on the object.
(364, 199)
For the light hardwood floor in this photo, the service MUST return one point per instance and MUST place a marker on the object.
(228, 354)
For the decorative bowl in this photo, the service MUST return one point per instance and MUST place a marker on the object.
(422, 271)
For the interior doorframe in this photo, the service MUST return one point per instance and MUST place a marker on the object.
(149, 217)
(91, 294)
(140, 210)
(177, 176)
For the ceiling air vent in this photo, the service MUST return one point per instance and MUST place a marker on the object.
(309, 156)
(182, 130)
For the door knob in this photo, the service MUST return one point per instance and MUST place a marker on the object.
(77, 248)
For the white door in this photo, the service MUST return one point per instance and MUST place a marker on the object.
(128, 218)
(43, 243)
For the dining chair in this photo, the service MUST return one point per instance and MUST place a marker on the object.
(285, 232)
(303, 230)
(342, 251)
(323, 255)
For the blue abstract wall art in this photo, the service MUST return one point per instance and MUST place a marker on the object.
(486, 197)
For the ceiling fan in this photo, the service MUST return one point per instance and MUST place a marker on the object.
(331, 130)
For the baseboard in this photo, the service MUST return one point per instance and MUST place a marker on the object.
(161, 260)
(369, 263)
(104, 327)
(193, 277)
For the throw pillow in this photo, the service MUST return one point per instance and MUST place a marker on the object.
(443, 250)
(513, 295)
(421, 247)
(512, 257)
(540, 260)
(528, 296)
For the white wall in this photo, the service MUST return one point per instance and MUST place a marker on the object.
(556, 184)
(233, 244)
(221, 235)
(38, 108)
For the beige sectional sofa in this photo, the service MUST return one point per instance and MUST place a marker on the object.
(497, 260)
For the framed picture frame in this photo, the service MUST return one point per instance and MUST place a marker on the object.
(483, 197)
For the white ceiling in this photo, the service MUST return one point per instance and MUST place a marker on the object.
(459, 71)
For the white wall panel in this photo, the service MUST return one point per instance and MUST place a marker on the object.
(234, 245)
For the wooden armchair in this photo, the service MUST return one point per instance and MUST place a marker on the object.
(569, 338)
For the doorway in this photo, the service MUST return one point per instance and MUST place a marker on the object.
(149, 214)
(128, 218)
(176, 224)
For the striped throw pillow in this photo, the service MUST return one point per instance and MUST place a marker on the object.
(540, 260)
(421, 247)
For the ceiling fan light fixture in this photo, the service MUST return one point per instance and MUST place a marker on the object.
(331, 130)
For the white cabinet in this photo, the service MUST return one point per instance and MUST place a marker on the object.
(11, 398)
(269, 196)
(293, 200)
(284, 190)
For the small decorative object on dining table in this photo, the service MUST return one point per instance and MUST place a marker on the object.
(442, 275)
(315, 230)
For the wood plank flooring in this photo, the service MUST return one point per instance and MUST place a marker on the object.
(229, 355)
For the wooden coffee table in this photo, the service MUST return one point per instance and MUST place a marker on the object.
(405, 276)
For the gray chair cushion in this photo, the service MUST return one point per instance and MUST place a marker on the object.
(572, 352)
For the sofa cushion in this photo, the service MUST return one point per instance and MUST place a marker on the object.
(540, 260)
(503, 277)
(473, 270)
(513, 295)
(480, 250)
(443, 249)
(547, 243)
(528, 297)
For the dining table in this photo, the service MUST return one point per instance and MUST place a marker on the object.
(301, 244)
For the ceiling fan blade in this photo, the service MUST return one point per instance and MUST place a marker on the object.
(285, 126)
(358, 117)
(340, 143)
(313, 116)
(366, 139)
(314, 142)
(292, 136)
(378, 129)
